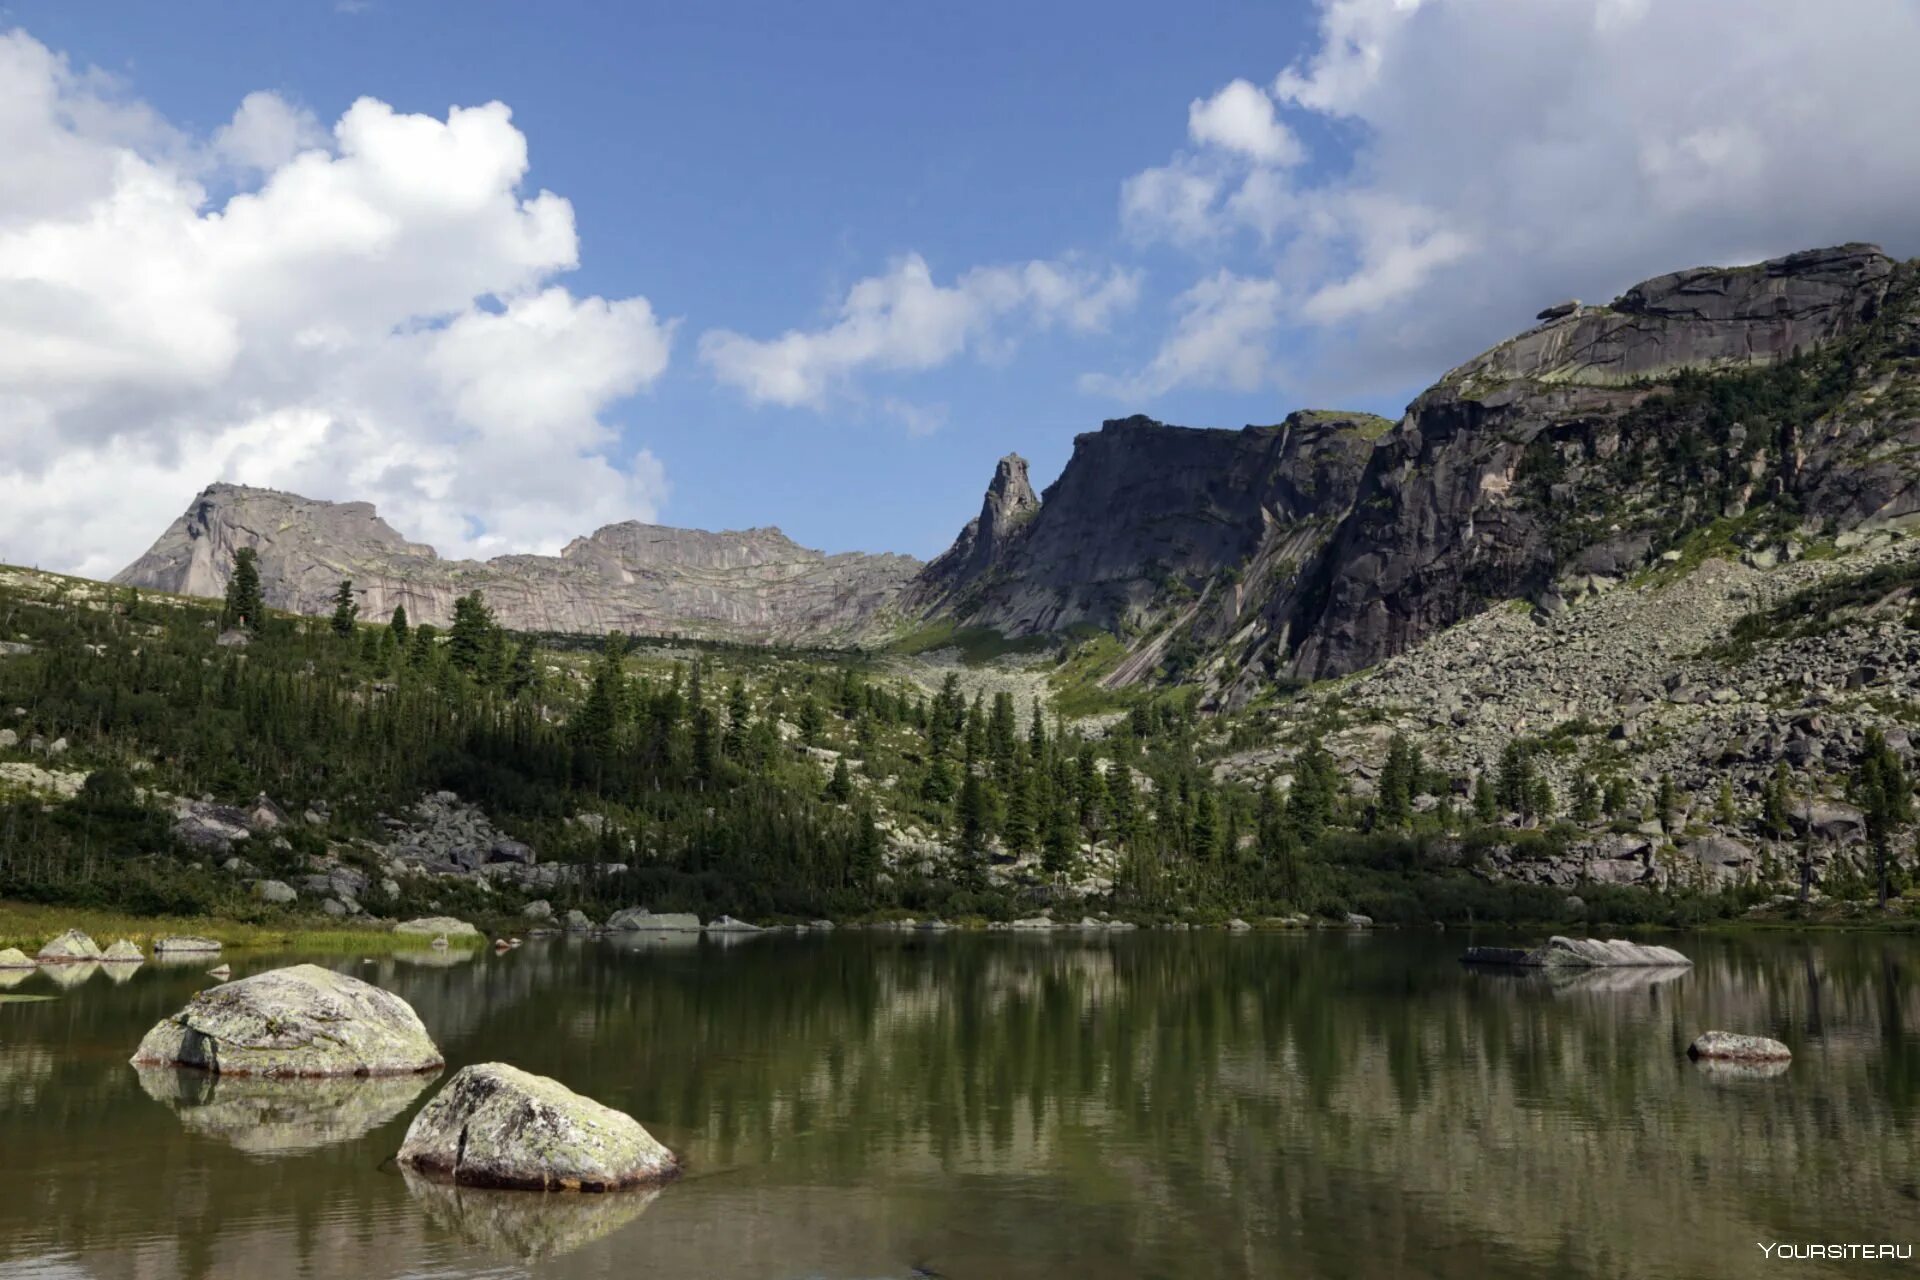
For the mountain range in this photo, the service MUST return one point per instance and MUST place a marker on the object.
(1742, 404)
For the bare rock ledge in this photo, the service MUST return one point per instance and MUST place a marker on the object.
(1593, 953)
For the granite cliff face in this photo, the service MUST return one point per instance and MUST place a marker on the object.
(754, 585)
(1755, 399)
(1738, 403)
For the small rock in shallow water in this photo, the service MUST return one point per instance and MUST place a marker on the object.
(14, 958)
(122, 952)
(1728, 1046)
(495, 1125)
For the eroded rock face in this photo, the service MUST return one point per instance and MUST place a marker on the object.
(71, 947)
(1596, 953)
(754, 584)
(494, 1125)
(1728, 1046)
(298, 1021)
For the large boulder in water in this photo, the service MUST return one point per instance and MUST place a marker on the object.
(1595, 953)
(122, 952)
(185, 945)
(1728, 1046)
(14, 958)
(298, 1021)
(71, 947)
(498, 1126)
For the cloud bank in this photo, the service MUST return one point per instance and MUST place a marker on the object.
(368, 311)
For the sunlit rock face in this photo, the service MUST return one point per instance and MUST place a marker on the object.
(298, 1021)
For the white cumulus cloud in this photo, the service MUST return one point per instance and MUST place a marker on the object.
(905, 320)
(372, 314)
(1480, 158)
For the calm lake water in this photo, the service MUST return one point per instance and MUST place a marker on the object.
(990, 1106)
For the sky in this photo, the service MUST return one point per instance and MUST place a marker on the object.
(515, 271)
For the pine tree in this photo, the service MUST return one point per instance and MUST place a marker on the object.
(471, 638)
(1776, 803)
(976, 821)
(812, 721)
(1617, 797)
(734, 745)
(840, 785)
(398, 625)
(1666, 803)
(1017, 827)
(1120, 808)
(1723, 809)
(522, 676)
(1486, 805)
(423, 647)
(345, 609)
(1206, 828)
(938, 788)
(1586, 799)
(1397, 784)
(1310, 802)
(1883, 791)
(1514, 787)
(244, 607)
(1541, 799)
(1037, 735)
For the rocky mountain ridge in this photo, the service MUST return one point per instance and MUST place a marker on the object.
(752, 585)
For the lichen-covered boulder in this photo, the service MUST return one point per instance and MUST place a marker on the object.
(498, 1126)
(299, 1021)
(122, 952)
(437, 927)
(1591, 953)
(71, 947)
(1727, 1046)
(14, 958)
(641, 920)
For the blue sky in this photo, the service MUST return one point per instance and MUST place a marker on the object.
(1393, 186)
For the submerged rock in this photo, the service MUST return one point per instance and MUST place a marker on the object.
(1035, 923)
(122, 952)
(1579, 952)
(727, 924)
(1728, 1046)
(437, 927)
(298, 1021)
(14, 958)
(498, 1126)
(71, 947)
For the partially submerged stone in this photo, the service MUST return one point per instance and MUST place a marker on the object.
(122, 952)
(437, 927)
(1728, 1046)
(71, 947)
(180, 944)
(299, 1021)
(14, 958)
(1597, 953)
(727, 924)
(639, 919)
(494, 1125)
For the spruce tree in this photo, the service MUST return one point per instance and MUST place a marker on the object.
(345, 609)
(472, 638)
(244, 607)
(398, 625)
(1486, 805)
(840, 785)
(1883, 791)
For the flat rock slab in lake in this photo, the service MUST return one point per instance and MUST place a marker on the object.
(299, 1021)
(185, 946)
(437, 927)
(1728, 1046)
(495, 1125)
(71, 947)
(1594, 953)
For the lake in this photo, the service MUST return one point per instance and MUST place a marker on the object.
(967, 1105)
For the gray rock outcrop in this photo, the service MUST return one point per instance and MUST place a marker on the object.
(185, 944)
(299, 1021)
(437, 927)
(494, 1125)
(14, 958)
(639, 919)
(122, 952)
